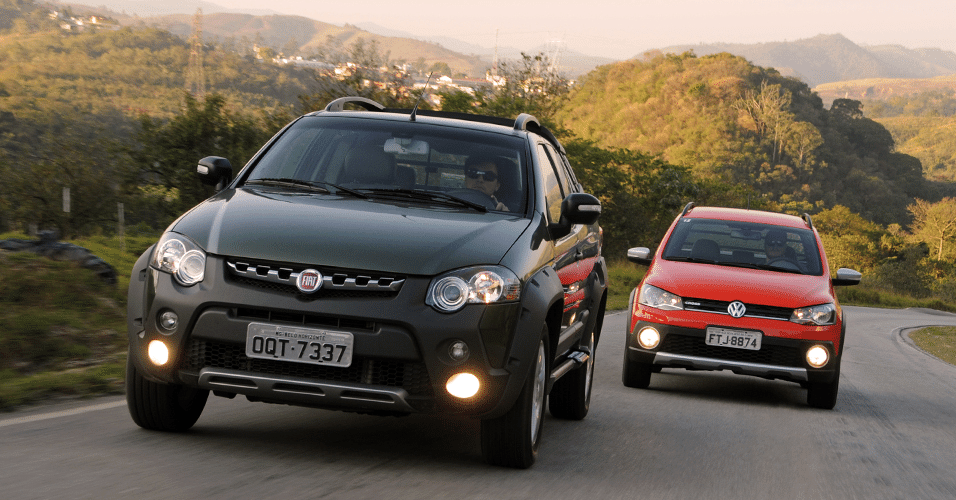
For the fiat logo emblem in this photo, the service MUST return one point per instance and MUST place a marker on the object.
(309, 281)
(737, 309)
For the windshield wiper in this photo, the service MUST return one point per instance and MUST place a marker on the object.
(421, 194)
(692, 259)
(313, 185)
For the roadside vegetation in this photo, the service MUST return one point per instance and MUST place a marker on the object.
(940, 341)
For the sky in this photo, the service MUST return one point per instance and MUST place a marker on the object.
(621, 29)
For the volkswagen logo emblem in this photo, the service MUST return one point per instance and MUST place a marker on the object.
(737, 309)
(309, 281)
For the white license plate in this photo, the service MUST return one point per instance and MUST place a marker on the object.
(738, 339)
(302, 345)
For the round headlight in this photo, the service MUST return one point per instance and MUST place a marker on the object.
(818, 356)
(449, 293)
(192, 267)
(486, 287)
(170, 254)
(158, 353)
(462, 385)
(180, 256)
(649, 338)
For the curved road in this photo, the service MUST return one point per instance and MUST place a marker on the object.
(690, 435)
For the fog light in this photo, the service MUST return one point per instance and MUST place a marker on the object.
(158, 353)
(462, 385)
(168, 321)
(649, 338)
(458, 351)
(818, 356)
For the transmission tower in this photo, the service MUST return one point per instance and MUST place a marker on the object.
(195, 76)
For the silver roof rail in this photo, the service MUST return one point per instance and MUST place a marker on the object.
(368, 104)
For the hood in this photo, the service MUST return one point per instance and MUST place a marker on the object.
(752, 286)
(350, 233)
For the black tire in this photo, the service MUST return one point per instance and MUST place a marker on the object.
(512, 439)
(162, 407)
(636, 375)
(823, 395)
(570, 397)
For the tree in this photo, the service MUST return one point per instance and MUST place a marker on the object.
(168, 150)
(364, 71)
(935, 224)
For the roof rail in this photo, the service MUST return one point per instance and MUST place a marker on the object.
(806, 218)
(368, 104)
(524, 121)
(687, 208)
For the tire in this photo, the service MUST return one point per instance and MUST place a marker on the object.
(823, 395)
(162, 407)
(570, 397)
(636, 375)
(512, 439)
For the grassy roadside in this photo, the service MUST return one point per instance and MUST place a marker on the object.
(62, 330)
(940, 341)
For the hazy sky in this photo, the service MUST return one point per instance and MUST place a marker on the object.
(625, 28)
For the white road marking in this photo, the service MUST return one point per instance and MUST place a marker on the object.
(59, 414)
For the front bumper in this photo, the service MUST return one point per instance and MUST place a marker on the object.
(778, 358)
(399, 365)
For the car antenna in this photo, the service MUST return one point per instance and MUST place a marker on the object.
(420, 97)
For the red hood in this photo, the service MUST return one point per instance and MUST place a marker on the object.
(752, 286)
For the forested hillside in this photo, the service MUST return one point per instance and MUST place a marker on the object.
(104, 115)
(834, 58)
(728, 119)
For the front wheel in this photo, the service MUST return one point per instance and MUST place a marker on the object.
(823, 395)
(162, 407)
(636, 375)
(511, 440)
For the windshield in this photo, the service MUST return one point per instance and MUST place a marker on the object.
(388, 157)
(745, 244)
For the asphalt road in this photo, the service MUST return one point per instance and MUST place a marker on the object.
(690, 435)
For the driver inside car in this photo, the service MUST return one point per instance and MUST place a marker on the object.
(775, 246)
(481, 174)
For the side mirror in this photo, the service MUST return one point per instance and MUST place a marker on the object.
(214, 171)
(577, 208)
(846, 277)
(639, 255)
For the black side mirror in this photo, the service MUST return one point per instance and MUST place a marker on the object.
(214, 171)
(577, 208)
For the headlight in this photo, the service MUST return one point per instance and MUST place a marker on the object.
(180, 256)
(474, 285)
(655, 297)
(823, 314)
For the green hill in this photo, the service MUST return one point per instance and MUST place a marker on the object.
(728, 119)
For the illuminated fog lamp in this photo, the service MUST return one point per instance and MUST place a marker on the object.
(458, 351)
(649, 337)
(462, 385)
(158, 353)
(168, 321)
(818, 356)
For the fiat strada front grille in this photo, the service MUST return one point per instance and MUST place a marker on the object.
(280, 277)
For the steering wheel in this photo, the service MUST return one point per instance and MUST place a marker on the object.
(474, 196)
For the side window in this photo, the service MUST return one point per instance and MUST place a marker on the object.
(552, 188)
(560, 167)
